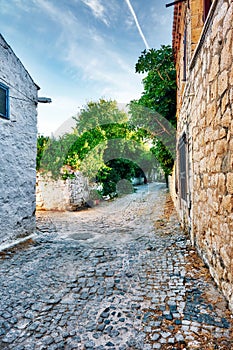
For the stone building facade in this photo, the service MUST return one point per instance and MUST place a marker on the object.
(203, 49)
(18, 133)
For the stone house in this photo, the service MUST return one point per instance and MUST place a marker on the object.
(18, 134)
(203, 51)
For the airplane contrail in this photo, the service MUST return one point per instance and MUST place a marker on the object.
(137, 24)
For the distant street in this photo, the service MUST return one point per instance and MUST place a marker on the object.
(120, 276)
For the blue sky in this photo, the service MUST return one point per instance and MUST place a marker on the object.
(81, 50)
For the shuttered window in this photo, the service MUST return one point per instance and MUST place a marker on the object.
(4, 101)
(183, 167)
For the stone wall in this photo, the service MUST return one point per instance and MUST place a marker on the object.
(187, 28)
(17, 149)
(69, 194)
(206, 118)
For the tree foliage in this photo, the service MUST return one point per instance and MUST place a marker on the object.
(107, 144)
(55, 154)
(103, 145)
(41, 145)
(155, 111)
(101, 113)
(160, 83)
(117, 169)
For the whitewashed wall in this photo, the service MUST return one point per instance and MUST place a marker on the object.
(69, 194)
(17, 149)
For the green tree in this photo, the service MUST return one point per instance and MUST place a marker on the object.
(42, 142)
(155, 111)
(100, 113)
(55, 154)
(103, 145)
(164, 158)
(117, 169)
(160, 83)
(123, 143)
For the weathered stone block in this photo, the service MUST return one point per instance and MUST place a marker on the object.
(227, 204)
(226, 59)
(223, 82)
(203, 165)
(226, 253)
(230, 183)
(211, 162)
(222, 133)
(226, 118)
(221, 147)
(231, 76)
(213, 180)
(226, 162)
(211, 112)
(213, 88)
(218, 164)
(206, 180)
(203, 196)
(224, 102)
(221, 184)
(219, 270)
(227, 21)
(224, 236)
(219, 17)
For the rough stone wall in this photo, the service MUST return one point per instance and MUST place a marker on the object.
(17, 149)
(207, 118)
(69, 194)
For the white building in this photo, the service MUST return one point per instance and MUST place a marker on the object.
(18, 134)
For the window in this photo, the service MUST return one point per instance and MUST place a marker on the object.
(183, 167)
(207, 4)
(4, 101)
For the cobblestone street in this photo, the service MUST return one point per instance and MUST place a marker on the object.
(119, 276)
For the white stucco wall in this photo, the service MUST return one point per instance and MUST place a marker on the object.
(17, 149)
(69, 194)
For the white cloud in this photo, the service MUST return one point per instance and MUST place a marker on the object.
(129, 22)
(22, 4)
(89, 59)
(97, 9)
(58, 15)
(76, 56)
(88, 52)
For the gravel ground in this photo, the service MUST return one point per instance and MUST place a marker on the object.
(121, 275)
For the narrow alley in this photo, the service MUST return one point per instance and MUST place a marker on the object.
(121, 275)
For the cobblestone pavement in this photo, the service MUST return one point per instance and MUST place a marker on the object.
(119, 276)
